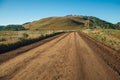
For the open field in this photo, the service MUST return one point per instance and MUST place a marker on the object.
(10, 40)
(109, 37)
(70, 56)
(8, 37)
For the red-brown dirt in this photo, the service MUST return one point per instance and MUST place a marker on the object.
(71, 56)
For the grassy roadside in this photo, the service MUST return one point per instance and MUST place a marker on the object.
(107, 36)
(10, 40)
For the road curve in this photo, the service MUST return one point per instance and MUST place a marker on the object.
(67, 57)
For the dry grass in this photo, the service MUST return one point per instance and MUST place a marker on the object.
(10, 40)
(57, 23)
(10, 37)
(108, 36)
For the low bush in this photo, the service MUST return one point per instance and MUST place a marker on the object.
(2, 39)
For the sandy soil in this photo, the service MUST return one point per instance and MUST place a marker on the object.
(68, 57)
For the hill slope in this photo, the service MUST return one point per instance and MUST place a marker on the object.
(12, 28)
(98, 23)
(55, 23)
(69, 22)
(118, 25)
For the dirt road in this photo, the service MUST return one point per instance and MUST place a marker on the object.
(68, 57)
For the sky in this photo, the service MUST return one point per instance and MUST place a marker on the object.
(22, 11)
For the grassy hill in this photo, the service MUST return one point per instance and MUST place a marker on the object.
(69, 23)
(1, 27)
(118, 25)
(55, 23)
(12, 28)
(98, 23)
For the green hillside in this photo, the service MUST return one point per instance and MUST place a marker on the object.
(12, 28)
(1, 27)
(118, 25)
(98, 23)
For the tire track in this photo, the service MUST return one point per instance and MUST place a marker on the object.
(68, 57)
(94, 67)
(46, 66)
(11, 54)
(81, 74)
(20, 65)
(111, 57)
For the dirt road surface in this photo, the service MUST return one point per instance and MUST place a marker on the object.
(68, 57)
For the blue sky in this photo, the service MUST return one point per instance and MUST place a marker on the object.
(21, 11)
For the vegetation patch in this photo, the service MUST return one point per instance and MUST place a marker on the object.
(12, 28)
(108, 36)
(10, 40)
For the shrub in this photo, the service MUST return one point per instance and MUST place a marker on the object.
(2, 39)
(25, 35)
